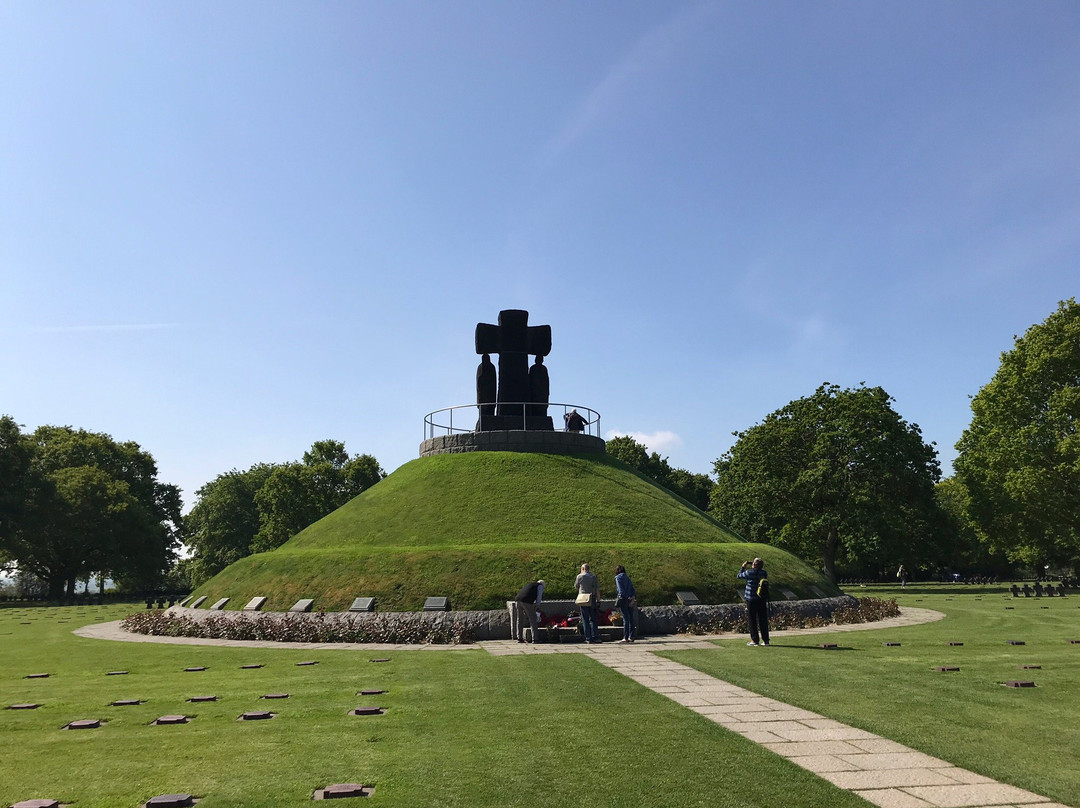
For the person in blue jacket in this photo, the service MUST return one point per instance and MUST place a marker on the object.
(757, 601)
(626, 601)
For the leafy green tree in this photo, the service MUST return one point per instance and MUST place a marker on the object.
(694, 488)
(297, 494)
(966, 550)
(837, 477)
(223, 523)
(1019, 460)
(15, 482)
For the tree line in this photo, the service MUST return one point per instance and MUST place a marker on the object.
(837, 477)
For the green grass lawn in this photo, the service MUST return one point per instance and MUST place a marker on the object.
(1026, 737)
(462, 728)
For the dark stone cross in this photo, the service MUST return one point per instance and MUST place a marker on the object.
(500, 399)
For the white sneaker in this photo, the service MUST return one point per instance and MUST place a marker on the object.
(752, 643)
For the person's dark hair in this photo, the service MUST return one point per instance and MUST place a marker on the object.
(620, 569)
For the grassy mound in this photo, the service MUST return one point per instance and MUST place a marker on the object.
(475, 526)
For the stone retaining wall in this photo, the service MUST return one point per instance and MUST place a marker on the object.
(514, 440)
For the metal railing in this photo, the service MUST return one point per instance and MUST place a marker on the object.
(465, 417)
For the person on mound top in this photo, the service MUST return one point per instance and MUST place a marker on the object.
(574, 421)
(757, 600)
(588, 600)
(525, 605)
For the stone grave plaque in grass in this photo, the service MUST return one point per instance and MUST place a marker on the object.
(168, 720)
(125, 702)
(1010, 608)
(255, 604)
(200, 699)
(1074, 642)
(817, 591)
(195, 669)
(1019, 683)
(302, 605)
(275, 696)
(371, 692)
(343, 790)
(257, 715)
(368, 711)
(891, 644)
(1031, 667)
(437, 604)
(307, 662)
(170, 801)
(829, 645)
(1016, 642)
(219, 605)
(84, 723)
(688, 598)
(363, 605)
(381, 659)
(250, 667)
(116, 673)
(28, 706)
(41, 802)
(199, 601)
(956, 644)
(946, 668)
(788, 594)
(37, 676)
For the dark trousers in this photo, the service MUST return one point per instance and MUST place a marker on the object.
(758, 613)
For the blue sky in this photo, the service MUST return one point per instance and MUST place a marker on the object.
(228, 230)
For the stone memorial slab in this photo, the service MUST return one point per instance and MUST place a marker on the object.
(275, 696)
(249, 667)
(368, 711)
(946, 668)
(170, 801)
(829, 645)
(437, 604)
(167, 720)
(955, 644)
(22, 706)
(817, 591)
(381, 659)
(199, 699)
(116, 673)
(195, 669)
(38, 803)
(184, 601)
(84, 723)
(36, 676)
(363, 605)
(891, 644)
(1019, 683)
(257, 715)
(306, 663)
(199, 601)
(1016, 642)
(343, 790)
(688, 598)
(1010, 608)
(371, 692)
(303, 605)
(1031, 667)
(788, 594)
(1074, 642)
(255, 604)
(125, 702)
(219, 605)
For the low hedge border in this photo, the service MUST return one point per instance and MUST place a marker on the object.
(452, 628)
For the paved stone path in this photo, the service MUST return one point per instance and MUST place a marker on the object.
(881, 771)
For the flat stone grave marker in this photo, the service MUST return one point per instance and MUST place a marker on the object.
(955, 644)
(199, 601)
(829, 645)
(381, 659)
(788, 594)
(219, 605)
(1019, 683)
(363, 605)
(84, 723)
(688, 598)
(116, 673)
(891, 644)
(371, 692)
(199, 699)
(1017, 642)
(1010, 608)
(125, 702)
(1074, 642)
(184, 601)
(166, 720)
(275, 696)
(437, 604)
(817, 591)
(38, 803)
(36, 676)
(302, 605)
(946, 668)
(368, 711)
(255, 604)
(170, 801)
(195, 669)
(343, 790)
(28, 706)
(1031, 667)
(249, 667)
(257, 715)
(307, 662)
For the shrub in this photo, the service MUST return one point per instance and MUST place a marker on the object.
(867, 610)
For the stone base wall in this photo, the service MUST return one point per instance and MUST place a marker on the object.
(514, 440)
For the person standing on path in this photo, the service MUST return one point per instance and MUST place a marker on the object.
(902, 574)
(588, 600)
(757, 600)
(626, 600)
(530, 596)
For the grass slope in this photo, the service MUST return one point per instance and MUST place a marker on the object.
(1026, 737)
(462, 728)
(475, 526)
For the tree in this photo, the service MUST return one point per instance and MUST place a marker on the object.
(297, 494)
(694, 488)
(14, 484)
(92, 505)
(1019, 460)
(836, 477)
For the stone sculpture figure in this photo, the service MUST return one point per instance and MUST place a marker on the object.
(539, 388)
(514, 340)
(485, 387)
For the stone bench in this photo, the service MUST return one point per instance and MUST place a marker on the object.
(558, 610)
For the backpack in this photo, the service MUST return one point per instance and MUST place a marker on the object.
(763, 589)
